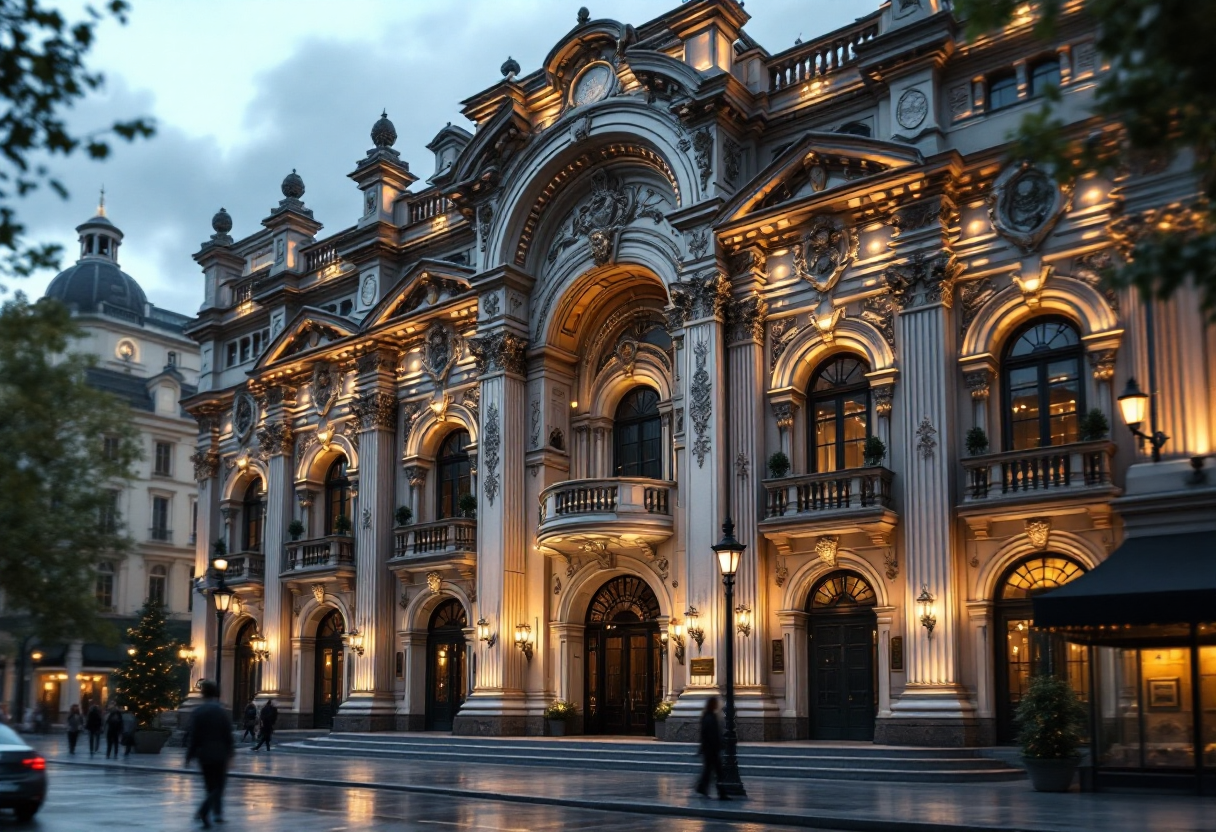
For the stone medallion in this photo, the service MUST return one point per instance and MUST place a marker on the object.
(911, 109)
(1025, 203)
(244, 414)
(367, 293)
(593, 84)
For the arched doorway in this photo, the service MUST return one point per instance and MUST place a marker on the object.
(329, 677)
(624, 675)
(246, 676)
(1022, 652)
(843, 631)
(446, 672)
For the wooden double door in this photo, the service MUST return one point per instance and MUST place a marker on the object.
(624, 678)
(843, 680)
(445, 678)
(329, 677)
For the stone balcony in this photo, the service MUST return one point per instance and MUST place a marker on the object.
(835, 502)
(245, 569)
(1007, 482)
(633, 511)
(448, 542)
(322, 557)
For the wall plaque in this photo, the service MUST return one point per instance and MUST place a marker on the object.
(702, 667)
(897, 653)
(778, 663)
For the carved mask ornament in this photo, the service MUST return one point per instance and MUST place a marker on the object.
(1025, 203)
(826, 250)
(326, 382)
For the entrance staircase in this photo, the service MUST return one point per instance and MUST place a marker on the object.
(792, 760)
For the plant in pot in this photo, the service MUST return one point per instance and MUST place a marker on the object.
(403, 515)
(874, 452)
(1093, 426)
(977, 441)
(342, 525)
(556, 716)
(295, 528)
(153, 679)
(778, 465)
(661, 712)
(467, 504)
(1051, 721)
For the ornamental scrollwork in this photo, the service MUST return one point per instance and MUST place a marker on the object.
(781, 334)
(275, 438)
(441, 349)
(703, 153)
(972, 296)
(206, 464)
(826, 250)
(492, 443)
(926, 439)
(979, 383)
(498, 352)
(605, 213)
(325, 387)
(923, 280)
(701, 407)
(472, 399)
(879, 312)
(375, 409)
(703, 296)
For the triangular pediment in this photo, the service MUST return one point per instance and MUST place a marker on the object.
(817, 164)
(312, 330)
(425, 284)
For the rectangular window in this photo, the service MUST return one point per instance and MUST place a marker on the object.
(111, 448)
(230, 360)
(105, 587)
(109, 514)
(164, 459)
(160, 519)
(193, 520)
(246, 345)
(158, 584)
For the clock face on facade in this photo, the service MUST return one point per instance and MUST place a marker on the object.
(593, 84)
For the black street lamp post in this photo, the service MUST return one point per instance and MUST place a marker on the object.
(222, 596)
(729, 551)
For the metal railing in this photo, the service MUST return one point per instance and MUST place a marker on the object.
(452, 534)
(1078, 465)
(853, 488)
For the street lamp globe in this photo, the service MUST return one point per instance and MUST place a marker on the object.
(1133, 404)
(222, 596)
(729, 550)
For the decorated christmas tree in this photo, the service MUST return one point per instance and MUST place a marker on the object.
(151, 679)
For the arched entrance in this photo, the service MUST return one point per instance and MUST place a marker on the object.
(446, 671)
(624, 675)
(329, 675)
(246, 676)
(843, 632)
(1023, 652)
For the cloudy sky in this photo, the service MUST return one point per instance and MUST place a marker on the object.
(243, 92)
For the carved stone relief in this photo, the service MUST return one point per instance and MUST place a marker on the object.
(703, 153)
(498, 351)
(972, 296)
(492, 442)
(1038, 530)
(325, 387)
(701, 406)
(826, 250)
(923, 280)
(604, 213)
(825, 549)
(375, 409)
(1025, 203)
(244, 414)
(911, 109)
(926, 439)
(732, 158)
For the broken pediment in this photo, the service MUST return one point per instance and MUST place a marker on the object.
(425, 284)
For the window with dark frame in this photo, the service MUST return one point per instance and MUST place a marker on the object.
(164, 459)
(109, 514)
(254, 510)
(1044, 73)
(105, 586)
(638, 435)
(1002, 90)
(337, 494)
(455, 474)
(111, 447)
(158, 579)
(839, 414)
(1043, 386)
(160, 519)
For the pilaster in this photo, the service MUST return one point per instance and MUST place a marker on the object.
(206, 461)
(276, 609)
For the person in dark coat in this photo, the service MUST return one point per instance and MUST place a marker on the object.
(113, 731)
(270, 715)
(211, 743)
(74, 724)
(711, 749)
(251, 721)
(93, 723)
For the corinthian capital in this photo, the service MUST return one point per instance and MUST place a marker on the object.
(704, 296)
(275, 438)
(499, 351)
(375, 409)
(746, 318)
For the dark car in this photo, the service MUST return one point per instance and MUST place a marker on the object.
(22, 775)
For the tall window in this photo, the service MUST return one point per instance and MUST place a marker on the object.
(1002, 91)
(158, 579)
(105, 586)
(454, 474)
(255, 499)
(160, 519)
(839, 414)
(638, 435)
(108, 519)
(164, 459)
(1043, 389)
(1044, 74)
(111, 445)
(337, 495)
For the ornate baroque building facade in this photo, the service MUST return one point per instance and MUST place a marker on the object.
(470, 453)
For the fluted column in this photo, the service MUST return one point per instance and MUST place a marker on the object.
(207, 467)
(276, 439)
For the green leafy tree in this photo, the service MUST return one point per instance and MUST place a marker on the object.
(42, 75)
(68, 452)
(151, 680)
(1160, 96)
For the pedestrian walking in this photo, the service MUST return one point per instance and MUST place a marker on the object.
(128, 731)
(93, 723)
(251, 721)
(210, 743)
(270, 715)
(113, 731)
(711, 749)
(75, 722)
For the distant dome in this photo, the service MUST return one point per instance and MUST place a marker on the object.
(221, 223)
(293, 185)
(92, 282)
(384, 134)
(509, 67)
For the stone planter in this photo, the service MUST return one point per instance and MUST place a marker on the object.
(1051, 775)
(151, 740)
(557, 727)
(660, 729)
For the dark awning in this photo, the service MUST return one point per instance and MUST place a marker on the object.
(1154, 579)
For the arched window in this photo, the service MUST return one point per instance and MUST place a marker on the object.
(158, 579)
(254, 511)
(105, 586)
(1042, 385)
(337, 495)
(454, 473)
(638, 435)
(839, 421)
(1044, 74)
(843, 590)
(1002, 90)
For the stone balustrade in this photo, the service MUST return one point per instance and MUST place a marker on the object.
(320, 554)
(832, 491)
(614, 506)
(245, 568)
(1012, 475)
(821, 57)
(447, 536)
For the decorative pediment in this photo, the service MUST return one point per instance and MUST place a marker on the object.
(425, 284)
(311, 330)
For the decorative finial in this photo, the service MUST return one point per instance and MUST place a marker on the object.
(509, 68)
(584, 14)
(221, 223)
(384, 134)
(101, 202)
(293, 185)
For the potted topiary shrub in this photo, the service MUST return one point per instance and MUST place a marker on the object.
(556, 715)
(342, 525)
(403, 514)
(295, 528)
(1050, 723)
(778, 465)
(874, 451)
(1093, 426)
(467, 504)
(661, 712)
(977, 441)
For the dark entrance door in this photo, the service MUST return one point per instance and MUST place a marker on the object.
(446, 672)
(329, 676)
(247, 679)
(842, 645)
(624, 674)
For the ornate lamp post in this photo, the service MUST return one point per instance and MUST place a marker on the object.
(222, 596)
(729, 551)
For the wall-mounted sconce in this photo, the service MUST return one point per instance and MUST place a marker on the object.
(523, 639)
(927, 619)
(1133, 406)
(242, 461)
(694, 631)
(675, 632)
(261, 649)
(743, 620)
(485, 633)
(354, 641)
(189, 655)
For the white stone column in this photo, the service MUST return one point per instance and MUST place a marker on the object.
(885, 619)
(207, 472)
(69, 691)
(275, 626)
(411, 710)
(979, 615)
(795, 708)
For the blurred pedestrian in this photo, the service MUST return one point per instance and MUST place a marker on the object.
(3, 714)
(210, 743)
(270, 715)
(113, 731)
(251, 721)
(93, 723)
(128, 731)
(75, 722)
(711, 749)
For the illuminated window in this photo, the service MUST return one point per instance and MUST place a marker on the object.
(337, 495)
(839, 421)
(843, 589)
(1039, 574)
(254, 511)
(455, 473)
(1043, 385)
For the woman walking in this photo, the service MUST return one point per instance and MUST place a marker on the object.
(711, 749)
(113, 731)
(93, 724)
(74, 723)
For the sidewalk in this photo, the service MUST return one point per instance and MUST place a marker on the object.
(813, 804)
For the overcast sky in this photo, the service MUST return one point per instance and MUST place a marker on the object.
(243, 92)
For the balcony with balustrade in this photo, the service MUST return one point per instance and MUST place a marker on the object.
(332, 556)
(450, 542)
(245, 569)
(1064, 475)
(632, 510)
(854, 500)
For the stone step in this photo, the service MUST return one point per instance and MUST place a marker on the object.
(678, 758)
